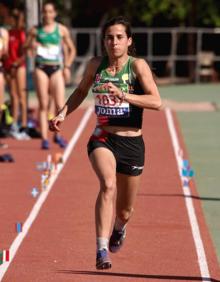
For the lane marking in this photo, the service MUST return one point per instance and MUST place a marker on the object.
(200, 250)
(43, 196)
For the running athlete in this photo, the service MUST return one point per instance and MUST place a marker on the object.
(47, 41)
(3, 52)
(15, 72)
(123, 86)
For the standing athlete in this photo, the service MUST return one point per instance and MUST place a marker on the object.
(123, 86)
(3, 52)
(47, 40)
(15, 73)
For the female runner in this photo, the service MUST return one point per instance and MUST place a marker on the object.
(123, 86)
(47, 41)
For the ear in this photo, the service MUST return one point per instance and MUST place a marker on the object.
(129, 41)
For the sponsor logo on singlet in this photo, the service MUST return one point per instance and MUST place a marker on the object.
(49, 51)
(107, 104)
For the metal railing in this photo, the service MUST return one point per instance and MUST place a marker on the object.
(89, 40)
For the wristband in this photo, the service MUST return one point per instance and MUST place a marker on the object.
(61, 115)
(67, 67)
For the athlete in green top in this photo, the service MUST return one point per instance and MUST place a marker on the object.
(106, 106)
(47, 42)
(49, 50)
(116, 147)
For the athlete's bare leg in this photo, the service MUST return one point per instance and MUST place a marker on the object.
(14, 97)
(2, 87)
(127, 188)
(22, 94)
(42, 86)
(51, 107)
(104, 165)
(57, 89)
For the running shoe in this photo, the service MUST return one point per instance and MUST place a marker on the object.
(6, 158)
(45, 145)
(60, 141)
(14, 131)
(24, 134)
(102, 260)
(116, 240)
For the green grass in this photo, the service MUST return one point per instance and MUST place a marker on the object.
(192, 93)
(201, 131)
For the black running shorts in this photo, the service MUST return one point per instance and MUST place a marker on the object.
(129, 151)
(48, 69)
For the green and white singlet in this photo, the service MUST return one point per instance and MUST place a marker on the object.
(49, 52)
(111, 111)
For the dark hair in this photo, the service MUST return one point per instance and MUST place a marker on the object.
(119, 20)
(15, 15)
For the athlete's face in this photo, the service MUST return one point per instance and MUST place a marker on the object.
(49, 13)
(116, 41)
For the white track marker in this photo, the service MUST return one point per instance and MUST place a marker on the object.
(43, 196)
(202, 260)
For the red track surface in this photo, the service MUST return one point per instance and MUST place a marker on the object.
(60, 245)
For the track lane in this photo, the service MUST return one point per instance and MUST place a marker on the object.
(159, 246)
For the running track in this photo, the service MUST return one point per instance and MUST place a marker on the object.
(60, 244)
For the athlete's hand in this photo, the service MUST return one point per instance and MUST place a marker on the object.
(54, 124)
(114, 90)
(102, 87)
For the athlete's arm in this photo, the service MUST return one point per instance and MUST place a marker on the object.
(21, 58)
(30, 40)
(77, 96)
(151, 97)
(69, 47)
(5, 41)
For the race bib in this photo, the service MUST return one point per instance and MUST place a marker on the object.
(49, 52)
(108, 105)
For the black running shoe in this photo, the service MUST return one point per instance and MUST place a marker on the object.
(116, 240)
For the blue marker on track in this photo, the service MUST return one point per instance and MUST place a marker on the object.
(185, 163)
(191, 173)
(19, 227)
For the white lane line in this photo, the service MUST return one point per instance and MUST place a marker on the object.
(200, 250)
(43, 196)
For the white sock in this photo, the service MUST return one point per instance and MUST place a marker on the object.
(101, 243)
(119, 224)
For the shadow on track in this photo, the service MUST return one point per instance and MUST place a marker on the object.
(179, 195)
(135, 276)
